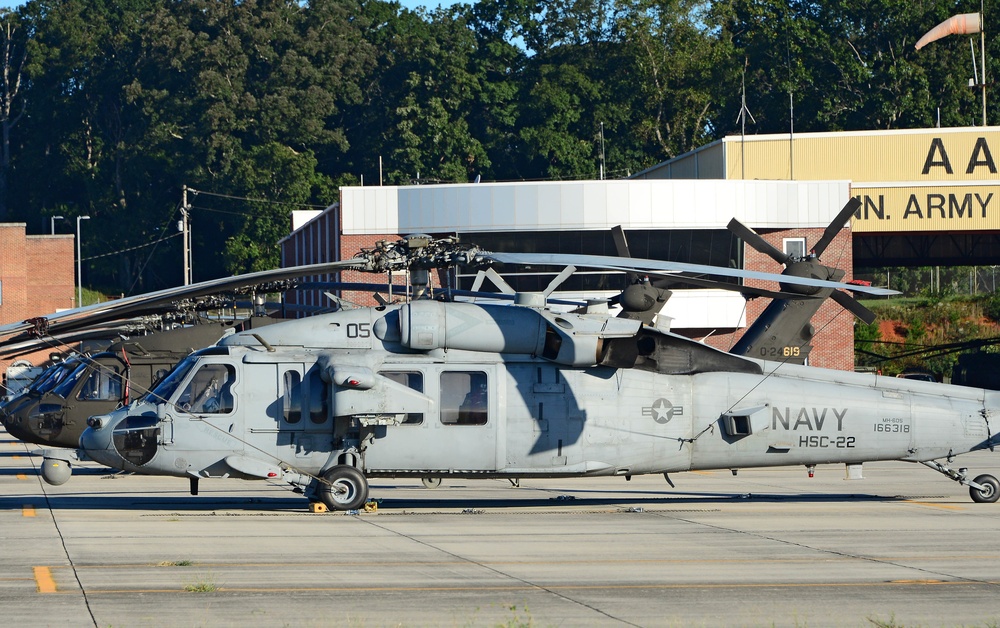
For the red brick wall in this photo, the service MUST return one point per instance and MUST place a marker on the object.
(833, 344)
(37, 275)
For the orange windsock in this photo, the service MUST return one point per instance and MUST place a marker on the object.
(964, 24)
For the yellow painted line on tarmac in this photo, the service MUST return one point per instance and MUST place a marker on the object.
(28, 510)
(931, 505)
(702, 472)
(22, 476)
(15, 457)
(44, 581)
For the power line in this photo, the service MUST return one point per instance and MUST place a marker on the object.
(131, 248)
(254, 200)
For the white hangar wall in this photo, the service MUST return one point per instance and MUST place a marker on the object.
(598, 205)
(586, 205)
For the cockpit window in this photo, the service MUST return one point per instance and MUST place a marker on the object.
(49, 378)
(103, 383)
(209, 391)
(168, 385)
(66, 386)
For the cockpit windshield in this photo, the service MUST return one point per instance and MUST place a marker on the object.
(165, 389)
(52, 376)
(65, 387)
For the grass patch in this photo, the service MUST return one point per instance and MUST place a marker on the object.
(201, 587)
(175, 563)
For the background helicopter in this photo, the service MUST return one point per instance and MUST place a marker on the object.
(428, 389)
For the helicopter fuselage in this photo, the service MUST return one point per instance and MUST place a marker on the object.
(463, 390)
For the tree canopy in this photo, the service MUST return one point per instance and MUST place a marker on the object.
(108, 108)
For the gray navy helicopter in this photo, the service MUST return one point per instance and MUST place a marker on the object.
(54, 412)
(469, 390)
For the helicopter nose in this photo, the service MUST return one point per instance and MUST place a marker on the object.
(96, 439)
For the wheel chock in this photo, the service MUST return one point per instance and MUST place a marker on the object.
(371, 506)
(317, 507)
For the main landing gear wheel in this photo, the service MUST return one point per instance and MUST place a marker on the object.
(990, 491)
(431, 482)
(345, 488)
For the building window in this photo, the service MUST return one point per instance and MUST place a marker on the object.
(794, 247)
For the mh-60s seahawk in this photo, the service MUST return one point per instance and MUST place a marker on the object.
(455, 389)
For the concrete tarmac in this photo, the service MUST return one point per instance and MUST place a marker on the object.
(769, 547)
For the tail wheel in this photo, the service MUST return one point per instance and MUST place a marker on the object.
(344, 488)
(990, 491)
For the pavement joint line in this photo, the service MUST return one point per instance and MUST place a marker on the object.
(44, 581)
(575, 587)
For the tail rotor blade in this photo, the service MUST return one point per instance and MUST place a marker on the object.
(834, 228)
(621, 245)
(751, 237)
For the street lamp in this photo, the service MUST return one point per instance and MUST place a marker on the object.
(52, 224)
(79, 275)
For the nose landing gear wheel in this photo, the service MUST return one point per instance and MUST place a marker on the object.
(990, 491)
(345, 488)
(431, 482)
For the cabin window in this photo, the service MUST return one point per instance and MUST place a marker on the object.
(103, 383)
(319, 397)
(292, 397)
(464, 398)
(209, 391)
(413, 380)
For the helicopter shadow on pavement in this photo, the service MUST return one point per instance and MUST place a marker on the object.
(206, 504)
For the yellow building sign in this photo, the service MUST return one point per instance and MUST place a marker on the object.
(973, 207)
(914, 180)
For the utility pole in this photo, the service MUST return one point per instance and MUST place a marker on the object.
(185, 228)
(982, 52)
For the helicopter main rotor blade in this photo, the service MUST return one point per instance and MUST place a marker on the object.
(752, 238)
(852, 305)
(723, 285)
(131, 306)
(646, 265)
(834, 227)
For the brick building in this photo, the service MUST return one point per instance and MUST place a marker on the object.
(675, 220)
(36, 277)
